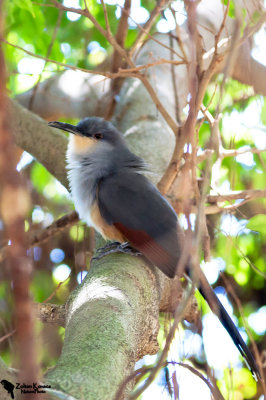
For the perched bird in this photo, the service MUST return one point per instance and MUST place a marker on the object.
(9, 387)
(111, 194)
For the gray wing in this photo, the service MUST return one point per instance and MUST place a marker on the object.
(131, 203)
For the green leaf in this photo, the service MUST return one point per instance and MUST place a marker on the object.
(231, 11)
(25, 4)
(263, 113)
(258, 223)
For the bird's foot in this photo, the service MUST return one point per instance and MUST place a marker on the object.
(115, 247)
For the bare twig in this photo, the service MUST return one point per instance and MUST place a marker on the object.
(147, 26)
(175, 386)
(3, 338)
(249, 31)
(153, 38)
(106, 33)
(237, 152)
(117, 61)
(36, 238)
(244, 194)
(186, 133)
(107, 25)
(139, 373)
(54, 292)
(136, 376)
(232, 51)
(214, 389)
(178, 316)
(68, 66)
(112, 75)
(253, 266)
(34, 91)
(223, 43)
(218, 201)
(153, 64)
(174, 83)
(172, 124)
(178, 37)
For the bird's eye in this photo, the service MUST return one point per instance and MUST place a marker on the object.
(98, 136)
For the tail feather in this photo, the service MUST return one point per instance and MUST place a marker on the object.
(218, 309)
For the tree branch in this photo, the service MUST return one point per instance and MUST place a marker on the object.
(50, 313)
(46, 144)
(42, 235)
(147, 26)
(244, 194)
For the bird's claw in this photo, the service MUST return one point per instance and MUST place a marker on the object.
(115, 247)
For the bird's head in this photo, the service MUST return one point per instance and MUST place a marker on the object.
(90, 134)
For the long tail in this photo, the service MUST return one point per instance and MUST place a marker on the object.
(218, 309)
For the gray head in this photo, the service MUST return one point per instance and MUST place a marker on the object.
(98, 143)
(92, 130)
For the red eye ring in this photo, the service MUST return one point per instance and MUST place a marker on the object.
(98, 136)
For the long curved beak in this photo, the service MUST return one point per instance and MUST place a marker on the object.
(65, 127)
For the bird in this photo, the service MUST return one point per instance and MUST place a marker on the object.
(111, 193)
(9, 387)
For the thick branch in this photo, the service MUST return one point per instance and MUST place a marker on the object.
(118, 300)
(47, 145)
(249, 71)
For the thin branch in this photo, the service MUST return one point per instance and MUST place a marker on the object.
(39, 237)
(178, 36)
(112, 75)
(55, 291)
(147, 26)
(36, 238)
(106, 33)
(249, 31)
(217, 201)
(174, 165)
(3, 338)
(117, 60)
(250, 263)
(141, 372)
(68, 66)
(186, 133)
(175, 88)
(214, 389)
(230, 60)
(236, 152)
(35, 89)
(201, 223)
(223, 43)
(153, 64)
(145, 32)
(172, 124)
(153, 38)
(178, 316)
(244, 194)
(222, 26)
